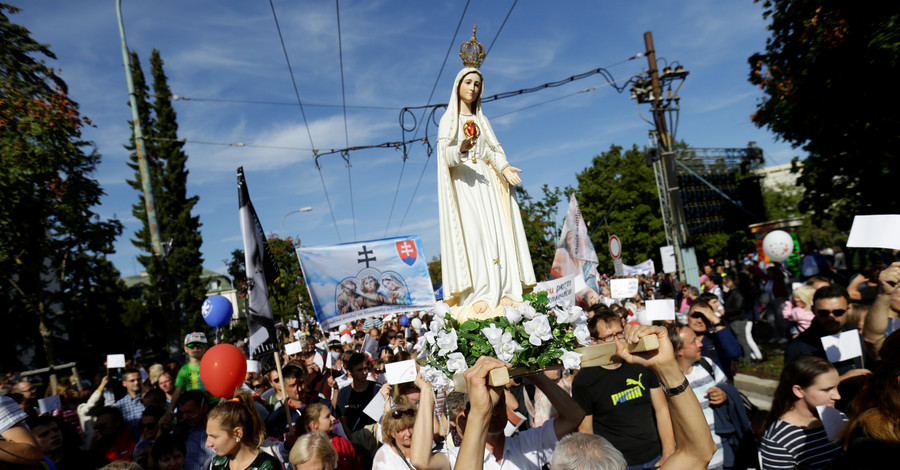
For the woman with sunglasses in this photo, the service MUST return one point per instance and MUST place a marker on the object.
(396, 432)
(795, 436)
(316, 418)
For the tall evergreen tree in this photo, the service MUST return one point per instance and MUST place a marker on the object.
(180, 228)
(60, 293)
(176, 288)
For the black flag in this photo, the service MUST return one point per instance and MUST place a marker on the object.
(261, 270)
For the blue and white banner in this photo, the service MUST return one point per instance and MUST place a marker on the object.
(647, 268)
(364, 279)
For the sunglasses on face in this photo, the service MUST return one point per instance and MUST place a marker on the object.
(195, 346)
(837, 312)
(397, 414)
(258, 386)
(275, 380)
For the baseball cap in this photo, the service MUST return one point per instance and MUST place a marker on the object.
(195, 337)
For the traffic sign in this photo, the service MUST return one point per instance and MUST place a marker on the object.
(615, 247)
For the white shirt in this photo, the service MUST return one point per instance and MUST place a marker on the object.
(527, 450)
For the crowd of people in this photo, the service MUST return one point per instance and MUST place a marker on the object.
(674, 408)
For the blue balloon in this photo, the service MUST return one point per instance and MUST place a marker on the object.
(404, 320)
(216, 311)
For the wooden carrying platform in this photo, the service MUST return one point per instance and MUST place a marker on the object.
(596, 355)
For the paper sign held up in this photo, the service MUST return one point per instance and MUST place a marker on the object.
(400, 372)
(317, 360)
(623, 288)
(294, 324)
(115, 361)
(842, 346)
(47, 405)
(293, 348)
(375, 408)
(660, 309)
(252, 366)
(875, 231)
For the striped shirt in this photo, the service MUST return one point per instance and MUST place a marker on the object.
(787, 446)
(10, 413)
(701, 382)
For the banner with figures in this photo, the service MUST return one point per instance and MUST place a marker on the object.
(646, 268)
(365, 279)
(575, 255)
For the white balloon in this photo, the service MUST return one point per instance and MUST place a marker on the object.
(778, 245)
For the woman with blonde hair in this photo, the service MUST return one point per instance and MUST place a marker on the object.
(313, 452)
(235, 430)
(316, 418)
(396, 432)
(798, 311)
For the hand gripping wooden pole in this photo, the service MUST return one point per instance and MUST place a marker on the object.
(596, 355)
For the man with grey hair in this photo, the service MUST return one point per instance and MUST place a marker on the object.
(582, 451)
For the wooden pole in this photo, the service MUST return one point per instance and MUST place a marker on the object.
(287, 399)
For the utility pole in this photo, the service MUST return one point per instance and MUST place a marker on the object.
(164, 281)
(666, 148)
(146, 183)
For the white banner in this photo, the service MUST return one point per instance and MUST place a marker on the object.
(667, 253)
(645, 268)
(364, 279)
(558, 290)
(623, 288)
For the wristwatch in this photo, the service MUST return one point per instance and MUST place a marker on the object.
(676, 390)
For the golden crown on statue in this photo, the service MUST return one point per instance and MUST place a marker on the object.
(472, 51)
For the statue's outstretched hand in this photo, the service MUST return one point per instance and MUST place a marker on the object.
(511, 175)
(467, 144)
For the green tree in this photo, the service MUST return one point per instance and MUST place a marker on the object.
(541, 231)
(180, 228)
(61, 294)
(783, 201)
(434, 270)
(816, 73)
(625, 181)
(288, 293)
(176, 288)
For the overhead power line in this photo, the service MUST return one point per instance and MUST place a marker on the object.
(303, 114)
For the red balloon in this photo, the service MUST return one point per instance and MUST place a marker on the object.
(222, 370)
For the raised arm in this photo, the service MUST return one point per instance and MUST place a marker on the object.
(19, 446)
(570, 413)
(877, 320)
(693, 441)
(420, 455)
(482, 400)
(663, 423)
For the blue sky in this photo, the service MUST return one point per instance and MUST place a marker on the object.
(392, 53)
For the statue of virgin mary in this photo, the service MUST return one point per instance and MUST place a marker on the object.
(485, 260)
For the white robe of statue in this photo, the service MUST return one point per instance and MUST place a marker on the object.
(484, 254)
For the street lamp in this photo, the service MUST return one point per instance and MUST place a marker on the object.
(302, 209)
